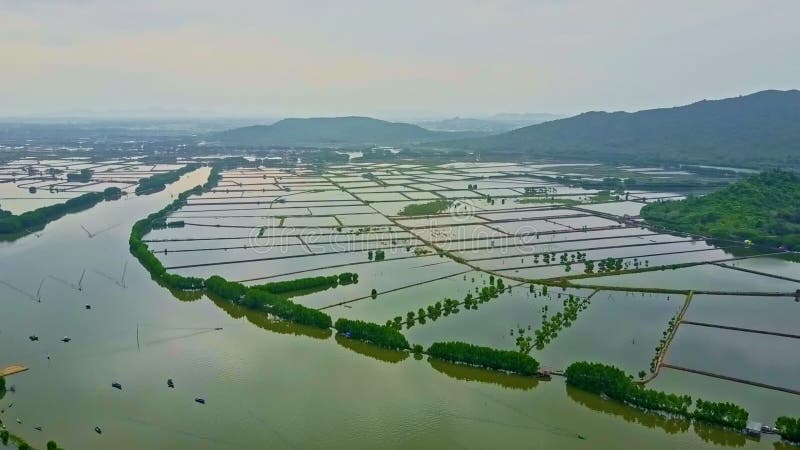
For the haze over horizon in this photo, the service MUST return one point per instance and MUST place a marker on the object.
(415, 59)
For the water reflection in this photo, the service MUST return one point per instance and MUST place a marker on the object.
(265, 321)
(372, 351)
(627, 413)
(184, 296)
(467, 373)
(715, 435)
(708, 433)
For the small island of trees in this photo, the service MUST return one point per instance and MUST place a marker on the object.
(426, 209)
(159, 182)
(380, 335)
(485, 357)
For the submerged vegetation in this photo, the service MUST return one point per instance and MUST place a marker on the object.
(560, 320)
(764, 208)
(789, 428)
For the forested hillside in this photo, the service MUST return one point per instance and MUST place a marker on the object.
(761, 129)
(764, 208)
(333, 131)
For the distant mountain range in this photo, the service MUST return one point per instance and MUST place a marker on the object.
(761, 129)
(498, 123)
(334, 131)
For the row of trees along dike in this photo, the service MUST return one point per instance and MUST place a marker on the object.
(380, 335)
(159, 182)
(485, 357)
(271, 298)
(36, 219)
(616, 384)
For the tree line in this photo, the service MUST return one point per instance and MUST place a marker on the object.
(485, 357)
(562, 319)
(159, 181)
(36, 219)
(380, 335)
(448, 306)
(304, 284)
(616, 384)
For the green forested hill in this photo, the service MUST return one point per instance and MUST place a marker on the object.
(761, 129)
(764, 208)
(333, 131)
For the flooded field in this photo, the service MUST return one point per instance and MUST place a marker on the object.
(272, 384)
(30, 183)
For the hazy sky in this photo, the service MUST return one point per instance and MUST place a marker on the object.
(390, 58)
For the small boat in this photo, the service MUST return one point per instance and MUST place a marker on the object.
(88, 306)
(65, 339)
(202, 401)
(116, 385)
(98, 430)
(170, 383)
(580, 436)
(218, 329)
(33, 337)
(19, 420)
(39, 428)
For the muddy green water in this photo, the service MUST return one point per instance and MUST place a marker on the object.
(266, 384)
